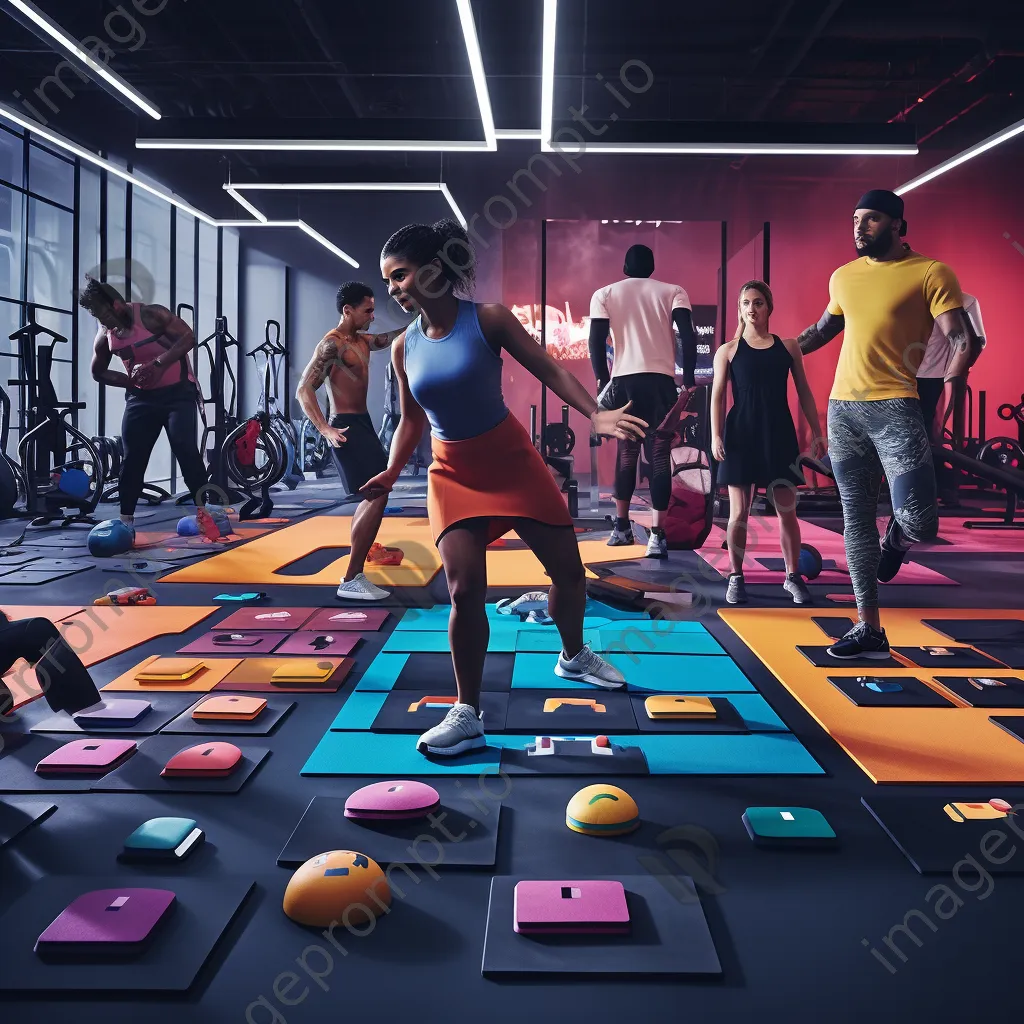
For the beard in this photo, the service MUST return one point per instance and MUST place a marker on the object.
(873, 247)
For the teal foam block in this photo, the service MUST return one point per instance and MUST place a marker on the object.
(645, 673)
(709, 753)
(383, 672)
(624, 637)
(392, 755)
(359, 711)
(501, 641)
(757, 713)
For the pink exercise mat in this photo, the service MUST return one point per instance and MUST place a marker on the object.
(960, 540)
(331, 644)
(763, 541)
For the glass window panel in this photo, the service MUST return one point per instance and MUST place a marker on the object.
(10, 321)
(151, 249)
(89, 263)
(50, 254)
(185, 283)
(115, 269)
(12, 148)
(51, 176)
(63, 324)
(12, 241)
(206, 309)
(229, 264)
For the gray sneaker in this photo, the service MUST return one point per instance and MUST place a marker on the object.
(736, 591)
(588, 667)
(462, 729)
(797, 589)
(359, 588)
(620, 538)
(657, 546)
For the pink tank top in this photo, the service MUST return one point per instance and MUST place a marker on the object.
(139, 346)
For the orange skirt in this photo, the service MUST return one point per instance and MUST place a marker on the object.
(498, 475)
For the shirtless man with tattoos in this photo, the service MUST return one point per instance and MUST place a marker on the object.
(342, 361)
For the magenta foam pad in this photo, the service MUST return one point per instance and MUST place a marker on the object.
(108, 922)
(570, 908)
(329, 620)
(235, 643)
(87, 757)
(392, 801)
(314, 642)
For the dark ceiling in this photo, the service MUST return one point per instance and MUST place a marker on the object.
(949, 72)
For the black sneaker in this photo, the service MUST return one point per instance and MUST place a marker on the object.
(892, 556)
(863, 641)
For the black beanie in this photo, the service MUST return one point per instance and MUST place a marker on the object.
(639, 262)
(886, 202)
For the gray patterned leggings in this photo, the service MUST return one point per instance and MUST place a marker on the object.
(867, 439)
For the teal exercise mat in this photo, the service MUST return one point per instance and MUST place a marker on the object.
(383, 672)
(502, 640)
(359, 711)
(624, 636)
(757, 713)
(698, 753)
(393, 755)
(645, 673)
(540, 640)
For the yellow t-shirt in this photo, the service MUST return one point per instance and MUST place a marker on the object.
(890, 309)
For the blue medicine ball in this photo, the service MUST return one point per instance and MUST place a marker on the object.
(110, 539)
(74, 482)
(810, 562)
(188, 527)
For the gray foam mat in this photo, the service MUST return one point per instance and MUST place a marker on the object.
(464, 828)
(17, 815)
(164, 709)
(32, 578)
(203, 912)
(273, 714)
(668, 936)
(141, 772)
(14, 560)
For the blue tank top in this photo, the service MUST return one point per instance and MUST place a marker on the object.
(456, 379)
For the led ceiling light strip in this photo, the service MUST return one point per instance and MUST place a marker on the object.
(74, 47)
(234, 188)
(961, 158)
(547, 74)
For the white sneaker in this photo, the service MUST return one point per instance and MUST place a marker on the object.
(588, 667)
(621, 538)
(359, 588)
(657, 546)
(462, 729)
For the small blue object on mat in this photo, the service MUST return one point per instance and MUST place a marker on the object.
(392, 755)
(188, 527)
(110, 538)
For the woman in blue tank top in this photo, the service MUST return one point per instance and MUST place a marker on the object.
(486, 478)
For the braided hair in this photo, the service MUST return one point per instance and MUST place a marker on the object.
(445, 240)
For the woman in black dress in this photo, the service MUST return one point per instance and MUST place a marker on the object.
(759, 447)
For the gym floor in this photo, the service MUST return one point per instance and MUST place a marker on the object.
(793, 930)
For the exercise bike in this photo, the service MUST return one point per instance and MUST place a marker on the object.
(63, 472)
(12, 479)
(273, 349)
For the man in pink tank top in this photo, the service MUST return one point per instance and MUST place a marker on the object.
(161, 392)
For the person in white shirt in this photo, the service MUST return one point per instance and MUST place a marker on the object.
(651, 325)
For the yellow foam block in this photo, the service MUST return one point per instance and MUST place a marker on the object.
(216, 669)
(898, 744)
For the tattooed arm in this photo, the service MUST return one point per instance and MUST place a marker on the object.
(820, 334)
(953, 325)
(378, 341)
(317, 371)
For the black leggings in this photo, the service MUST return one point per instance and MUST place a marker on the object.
(172, 409)
(658, 449)
(65, 681)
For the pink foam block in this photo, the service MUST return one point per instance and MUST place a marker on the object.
(570, 908)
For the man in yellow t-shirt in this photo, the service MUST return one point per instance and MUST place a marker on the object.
(887, 302)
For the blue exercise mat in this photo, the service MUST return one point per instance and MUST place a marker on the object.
(383, 672)
(435, 620)
(645, 673)
(757, 713)
(502, 640)
(541, 640)
(393, 755)
(622, 637)
(359, 711)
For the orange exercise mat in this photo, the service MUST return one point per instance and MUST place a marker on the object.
(101, 632)
(214, 670)
(260, 563)
(895, 744)
(257, 675)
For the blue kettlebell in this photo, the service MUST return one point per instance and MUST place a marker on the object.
(110, 538)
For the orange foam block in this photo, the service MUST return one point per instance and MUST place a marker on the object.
(216, 669)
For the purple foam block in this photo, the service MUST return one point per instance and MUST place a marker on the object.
(113, 711)
(334, 620)
(241, 643)
(86, 757)
(397, 800)
(570, 908)
(312, 643)
(106, 922)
